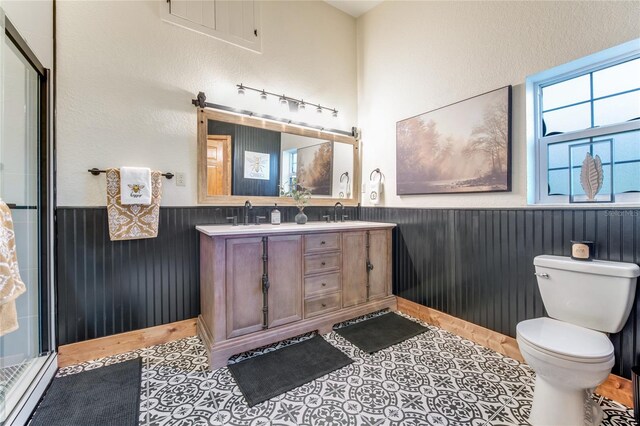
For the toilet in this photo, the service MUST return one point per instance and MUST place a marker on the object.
(570, 351)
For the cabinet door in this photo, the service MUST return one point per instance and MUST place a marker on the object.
(379, 252)
(354, 268)
(244, 286)
(285, 278)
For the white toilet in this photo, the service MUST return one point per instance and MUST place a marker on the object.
(570, 352)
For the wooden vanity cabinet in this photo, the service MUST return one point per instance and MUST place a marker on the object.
(354, 269)
(367, 267)
(313, 281)
(244, 286)
(245, 267)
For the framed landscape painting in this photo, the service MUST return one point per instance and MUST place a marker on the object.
(462, 147)
(314, 169)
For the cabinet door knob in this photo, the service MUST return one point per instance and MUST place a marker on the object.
(324, 263)
(324, 305)
(324, 284)
(322, 242)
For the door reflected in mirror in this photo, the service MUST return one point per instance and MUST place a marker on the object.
(219, 165)
(251, 161)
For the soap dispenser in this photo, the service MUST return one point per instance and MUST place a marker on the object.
(275, 216)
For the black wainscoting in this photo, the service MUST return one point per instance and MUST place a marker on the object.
(106, 287)
(478, 264)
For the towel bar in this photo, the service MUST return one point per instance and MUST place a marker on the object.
(96, 172)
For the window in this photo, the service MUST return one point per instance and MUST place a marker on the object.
(588, 108)
(234, 21)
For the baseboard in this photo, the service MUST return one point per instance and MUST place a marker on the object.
(124, 342)
(615, 387)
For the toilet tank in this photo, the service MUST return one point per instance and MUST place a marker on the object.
(598, 294)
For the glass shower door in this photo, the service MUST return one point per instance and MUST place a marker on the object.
(21, 351)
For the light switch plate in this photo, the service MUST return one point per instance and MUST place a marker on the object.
(180, 179)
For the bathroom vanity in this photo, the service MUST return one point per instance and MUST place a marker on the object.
(261, 284)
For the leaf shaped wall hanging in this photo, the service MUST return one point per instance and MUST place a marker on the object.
(591, 176)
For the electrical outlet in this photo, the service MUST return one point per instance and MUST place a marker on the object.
(180, 179)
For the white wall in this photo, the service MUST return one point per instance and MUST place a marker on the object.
(417, 56)
(126, 80)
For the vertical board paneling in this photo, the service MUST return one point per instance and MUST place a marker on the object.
(478, 264)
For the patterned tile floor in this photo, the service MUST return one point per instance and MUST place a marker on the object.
(435, 378)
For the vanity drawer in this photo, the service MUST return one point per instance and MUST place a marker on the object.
(322, 304)
(316, 243)
(318, 263)
(320, 284)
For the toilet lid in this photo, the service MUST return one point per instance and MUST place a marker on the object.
(565, 339)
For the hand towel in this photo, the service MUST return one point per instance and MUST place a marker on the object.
(135, 186)
(11, 285)
(344, 189)
(132, 222)
(375, 191)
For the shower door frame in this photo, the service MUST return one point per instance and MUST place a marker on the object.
(46, 224)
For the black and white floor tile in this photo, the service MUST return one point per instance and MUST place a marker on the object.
(435, 378)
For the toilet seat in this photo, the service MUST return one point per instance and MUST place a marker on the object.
(570, 342)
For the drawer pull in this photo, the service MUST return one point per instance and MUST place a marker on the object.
(322, 243)
(324, 284)
(324, 263)
(324, 305)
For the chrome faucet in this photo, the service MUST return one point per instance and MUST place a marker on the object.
(335, 210)
(247, 206)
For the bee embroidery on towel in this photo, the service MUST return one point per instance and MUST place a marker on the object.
(135, 190)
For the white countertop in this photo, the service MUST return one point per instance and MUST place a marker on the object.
(289, 227)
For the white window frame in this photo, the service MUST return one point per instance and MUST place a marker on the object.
(537, 178)
(254, 46)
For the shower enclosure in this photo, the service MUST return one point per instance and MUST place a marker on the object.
(27, 359)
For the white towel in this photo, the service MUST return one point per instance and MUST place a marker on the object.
(375, 191)
(344, 189)
(135, 186)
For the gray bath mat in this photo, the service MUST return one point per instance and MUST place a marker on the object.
(262, 377)
(380, 332)
(105, 396)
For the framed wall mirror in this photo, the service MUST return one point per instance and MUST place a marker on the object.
(241, 157)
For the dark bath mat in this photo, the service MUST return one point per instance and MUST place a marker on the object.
(105, 396)
(262, 377)
(380, 332)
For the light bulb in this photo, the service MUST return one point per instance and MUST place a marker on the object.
(263, 95)
(319, 109)
(335, 113)
(241, 90)
(302, 105)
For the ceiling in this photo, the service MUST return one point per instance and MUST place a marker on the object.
(354, 8)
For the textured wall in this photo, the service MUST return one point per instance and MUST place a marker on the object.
(126, 80)
(106, 287)
(477, 264)
(416, 56)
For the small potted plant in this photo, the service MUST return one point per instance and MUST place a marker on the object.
(301, 196)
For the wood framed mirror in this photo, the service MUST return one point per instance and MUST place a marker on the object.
(242, 157)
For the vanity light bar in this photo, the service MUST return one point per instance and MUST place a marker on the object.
(301, 103)
(201, 102)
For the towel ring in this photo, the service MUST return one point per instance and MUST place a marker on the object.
(96, 172)
(345, 174)
(377, 170)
